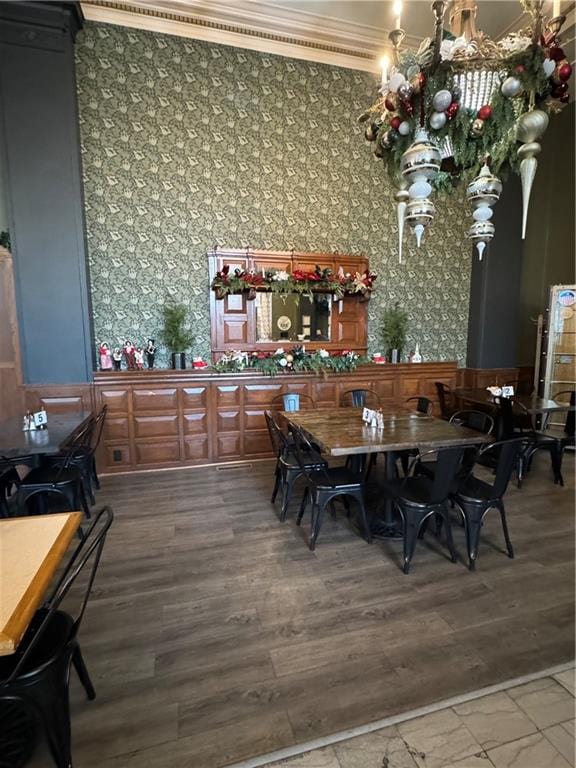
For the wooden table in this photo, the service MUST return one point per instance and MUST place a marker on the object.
(14, 442)
(31, 549)
(532, 403)
(341, 432)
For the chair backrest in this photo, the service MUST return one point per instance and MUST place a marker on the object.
(569, 426)
(303, 450)
(448, 462)
(507, 455)
(82, 437)
(478, 420)
(444, 398)
(97, 430)
(506, 417)
(9, 481)
(423, 404)
(360, 398)
(306, 401)
(277, 437)
(89, 550)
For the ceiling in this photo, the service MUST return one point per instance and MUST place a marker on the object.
(349, 33)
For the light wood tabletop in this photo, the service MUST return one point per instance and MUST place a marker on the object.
(341, 431)
(31, 549)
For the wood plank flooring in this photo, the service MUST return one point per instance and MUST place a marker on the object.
(214, 634)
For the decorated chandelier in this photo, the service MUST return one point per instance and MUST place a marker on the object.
(465, 107)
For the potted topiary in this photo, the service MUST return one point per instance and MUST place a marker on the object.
(394, 327)
(175, 335)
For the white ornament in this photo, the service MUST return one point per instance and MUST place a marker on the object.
(548, 65)
(438, 120)
(404, 128)
(396, 81)
(442, 100)
(511, 87)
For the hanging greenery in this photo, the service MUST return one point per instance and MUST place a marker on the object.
(295, 360)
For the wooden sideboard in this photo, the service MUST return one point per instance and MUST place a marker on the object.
(162, 418)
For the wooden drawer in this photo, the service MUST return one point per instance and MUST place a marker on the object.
(116, 428)
(165, 452)
(257, 444)
(196, 448)
(155, 426)
(254, 420)
(227, 395)
(117, 455)
(261, 394)
(194, 397)
(154, 400)
(115, 399)
(228, 446)
(195, 423)
(228, 421)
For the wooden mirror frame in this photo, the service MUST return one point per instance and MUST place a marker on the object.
(233, 318)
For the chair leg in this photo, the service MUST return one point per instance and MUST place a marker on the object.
(95, 474)
(410, 538)
(445, 517)
(287, 485)
(333, 510)
(509, 547)
(56, 720)
(317, 515)
(80, 667)
(87, 483)
(556, 455)
(303, 505)
(276, 484)
(473, 526)
(363, 517)
(79, 499)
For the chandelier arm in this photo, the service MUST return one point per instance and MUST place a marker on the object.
(438, 7)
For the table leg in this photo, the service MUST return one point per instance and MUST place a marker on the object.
(385, 524)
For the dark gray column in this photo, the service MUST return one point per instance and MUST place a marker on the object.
(41, 151)
(495, 288)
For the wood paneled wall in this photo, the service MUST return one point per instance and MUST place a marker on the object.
(171, 418)
(11, 394)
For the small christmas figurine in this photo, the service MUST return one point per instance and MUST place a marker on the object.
(105, 357)
(117, 359)
(139, 358)
(129, 354)
(150, 353)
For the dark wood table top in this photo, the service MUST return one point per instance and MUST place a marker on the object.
(532, 403)
(14, 442)
(341, 431)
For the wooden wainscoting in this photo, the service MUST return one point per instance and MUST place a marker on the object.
(479, 378)
(184, 418)
(11, 395)
(59, 398)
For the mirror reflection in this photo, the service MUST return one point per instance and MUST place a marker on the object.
(293, 318)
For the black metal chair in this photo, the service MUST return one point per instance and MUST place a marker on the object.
(288, 470)
(422, 405)
(475, 497)
(418, 498)
(323, 485)
(477, 420)
(34, 681)
(86, 444)
(63, 480)
(446, 400)
(360, 398)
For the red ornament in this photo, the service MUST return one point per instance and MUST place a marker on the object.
(407, 107)
(519, 68)
(564, 71)
(452, 110)
(565, 98)
(395, 122)
(560, 90)
(485, 112)
(422, 79)
(390, 103)
(556, 53)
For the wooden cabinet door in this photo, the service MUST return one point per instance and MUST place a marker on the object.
(349, 322)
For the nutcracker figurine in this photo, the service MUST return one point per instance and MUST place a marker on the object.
(139, 358)
(129, 354)
(150, 353)
(105, 357)
(117, 359)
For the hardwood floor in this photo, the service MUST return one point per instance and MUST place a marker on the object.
(214, 634)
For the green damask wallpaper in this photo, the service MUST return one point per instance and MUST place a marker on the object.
(188, 144)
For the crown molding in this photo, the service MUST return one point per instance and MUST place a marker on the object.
(262, 26)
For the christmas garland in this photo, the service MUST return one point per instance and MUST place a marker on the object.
(299, 282)
(296, 360)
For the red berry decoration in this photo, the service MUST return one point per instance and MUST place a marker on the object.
(485, 112)
(564, 71)
(519, 68)
(452, 110)
(556, 53)
(560, 90)
(390, 103)
(422, 79)
(395, 122)
(407, 107)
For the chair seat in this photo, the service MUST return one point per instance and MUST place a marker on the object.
(55, 637)
(412, 491)
(312, 461)
(49, 475)
(335, 476)
(475, 490)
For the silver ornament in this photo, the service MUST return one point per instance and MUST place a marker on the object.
(404, 128)
(438, 120)
(483, 192)
(531, 125)
(422, 159)
(511, 87)
(442, 100)
(405, 91)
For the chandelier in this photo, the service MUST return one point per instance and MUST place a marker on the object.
(463, 107)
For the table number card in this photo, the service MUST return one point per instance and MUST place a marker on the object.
(40, 419)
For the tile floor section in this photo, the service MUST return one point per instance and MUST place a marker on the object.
(524, 726)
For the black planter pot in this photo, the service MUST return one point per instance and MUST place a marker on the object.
(178, 361)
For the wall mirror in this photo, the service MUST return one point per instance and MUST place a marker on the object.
(293, 318)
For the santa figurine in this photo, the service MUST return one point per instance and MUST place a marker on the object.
(139, 358)
(150, 353)
(130, 355)
(105, 357)
(117, 359)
